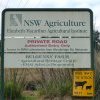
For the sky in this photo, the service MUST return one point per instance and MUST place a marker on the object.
(94, 5)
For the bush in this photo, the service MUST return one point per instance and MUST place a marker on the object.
(52, 89)
(66, 88)
(55, 82)
(12, 90)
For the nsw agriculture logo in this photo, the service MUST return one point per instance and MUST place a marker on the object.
(15, 19)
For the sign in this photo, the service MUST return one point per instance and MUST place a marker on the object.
(47, 45)
(46, 60)
(83, 83)
(47, 23)
(52, 32)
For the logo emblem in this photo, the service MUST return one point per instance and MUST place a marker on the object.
(15, 19)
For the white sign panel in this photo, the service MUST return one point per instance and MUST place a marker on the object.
(47, 23)
(47, 38)
(46, 60)
(47, 45)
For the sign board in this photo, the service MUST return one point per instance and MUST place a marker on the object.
(83, 83)
(46, 60)
(48, 32)
(47, 45)
(47, 23)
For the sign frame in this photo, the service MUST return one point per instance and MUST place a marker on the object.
(48, 10)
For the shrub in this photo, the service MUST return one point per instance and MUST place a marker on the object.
(52, 89)
(12, 90)
(55, 82)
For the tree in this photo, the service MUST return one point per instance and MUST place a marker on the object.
(97, 40)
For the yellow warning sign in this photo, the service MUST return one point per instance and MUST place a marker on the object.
(83, 83)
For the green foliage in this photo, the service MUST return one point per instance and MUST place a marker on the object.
(96, 40)
(58, 88)
(97, 83)
(66, 88)
(12, 90)
(28, 98)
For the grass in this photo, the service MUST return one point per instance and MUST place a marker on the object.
(30, 95)
(60, 89)
(97, 76)
(12, 90)
(28, 98)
